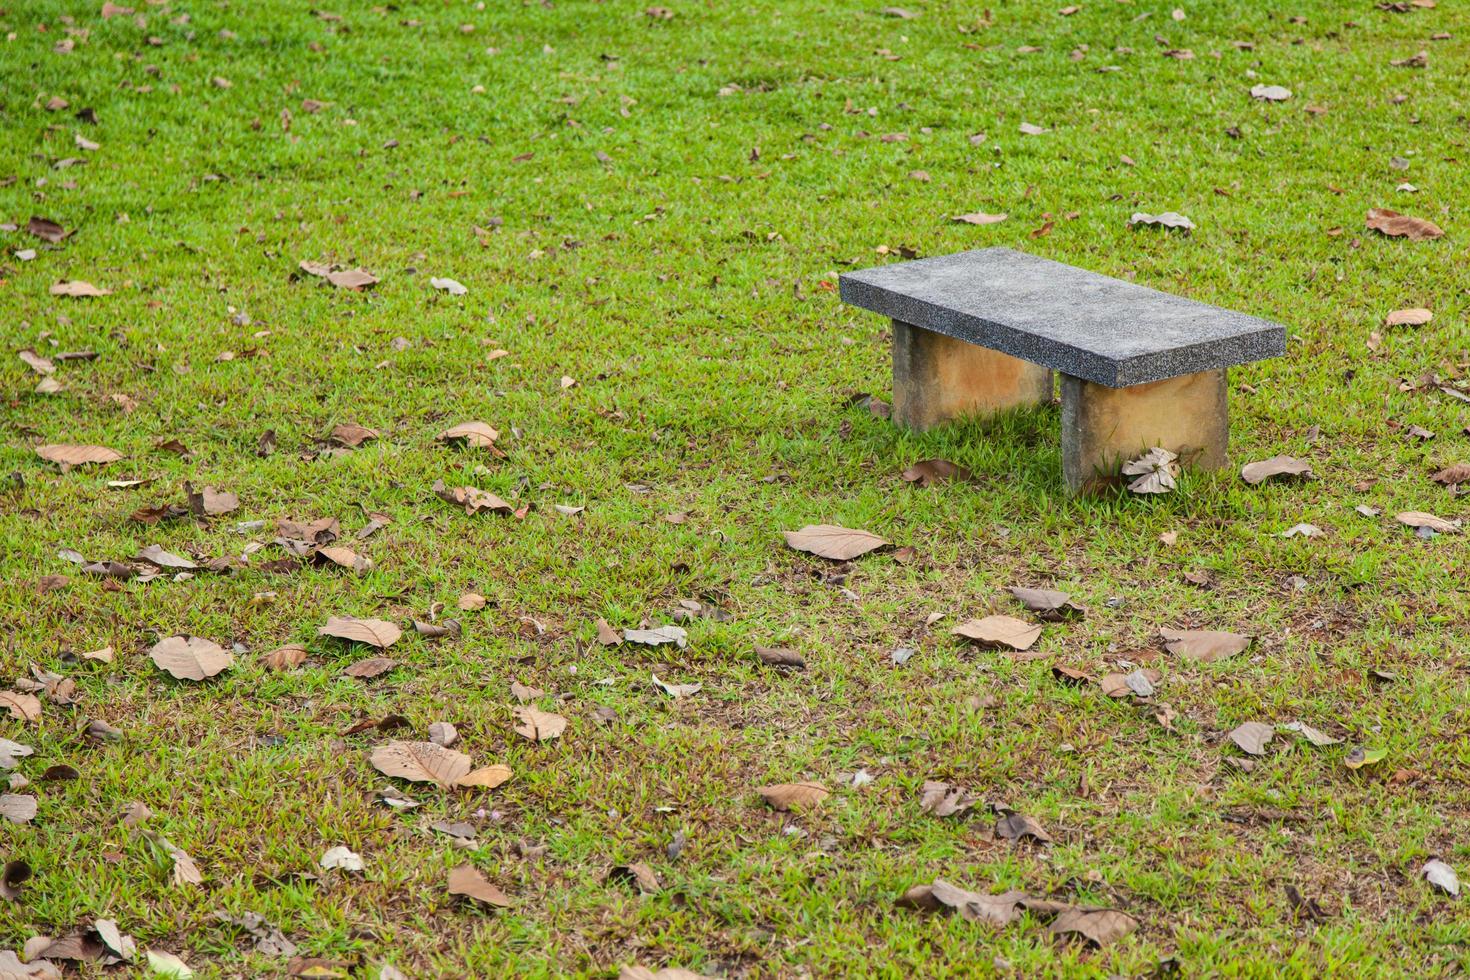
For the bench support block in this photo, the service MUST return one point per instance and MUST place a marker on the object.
(938, 378)
(1103, 428)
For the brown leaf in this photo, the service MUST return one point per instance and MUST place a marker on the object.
(471, 601)
(36, 362)
(1418, 518)
(1451, 475)
(1069, 675)
(832, 541)
(374, 632)
(472, 499)
(539, 726)
(944, 800)
(21, 706)
(1276, 466)
(485, 777)
(1014, 826)
(67, 456)
(640, 876)
(996, 910)
(371, 667)
(352, 435)
(980, 218)
(999, 631)
(210, 502)
(421, 762)
(783, 796)
(524, 694)
(46, 229)
(1253, 737)
(288, 657)
(1205, 646)
(466, 882)
(343, 557)
(78, 289)
(17, 808)
(476, 435)
(355, 279)
(1416, 317)
(434, 631)
(1049, 603)
(606, 635)
(780, 657)
(1100, 926)
(1141, 682)
(927, 472)
(190, 657)
(155, 555)
(1397, 225)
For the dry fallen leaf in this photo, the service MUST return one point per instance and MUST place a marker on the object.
(1441, 876)
(210, 502)
(832, 541)
(448, 285)
(352, 435)
(67, 456)
(190, 657)
(658, 636)
(783, 796)
(676, 691)
(1100, 926)
(1253, 737)
(996, 910)
(927, 472)
(539, 726)
(476, 435)
(1453, 475)
(1164, 219)
(980, 218)
(1270, 93)
(78, 289)
(1014, 826)
(1397, 225)
(374, 632)
(1415, 317)
(1276, 466)
(341, 858)
(1048, 603)
(17, 808)
(472, 499)
(288, 657)
(426, 762)
(21, 706)
(780, 657)
(639, 875)
(998, 631)
(471, 601)
(1418, 519)
(1205, 646)
(466, 882)
(369, 668)
(354, 279)
(943, 800)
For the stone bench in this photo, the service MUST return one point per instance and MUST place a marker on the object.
(980, 331)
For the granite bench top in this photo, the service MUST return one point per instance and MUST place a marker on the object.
(1077, 322)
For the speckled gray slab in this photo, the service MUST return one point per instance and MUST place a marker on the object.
(1081, 323)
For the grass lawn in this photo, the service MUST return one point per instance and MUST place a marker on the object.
(649, 214)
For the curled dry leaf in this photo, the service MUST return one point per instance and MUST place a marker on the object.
(476, 435)
(780, 657)
(606, 635)
(1164, 219)
(1141, 682)
(448, 285)
(426, 762)
(15, 874)
(1014, 826)
(943, 800)
(1418, 518)
(524, 694)
(191, 658)
(443, 733)
(371, 667)
(1275, 467)
(676, 691)
(341, 858)
(12, 752)
(67, 456)
(352, 435)
(1099, 926)
(375, 632)
(1452, 475)
(435, 631)
(36, 362)
(539, 726)
(470, 601)
(1309, 733)
(1360, 757)
(1048, 603)
(784, 796)
(1156, 471)
(1396, 225)
(832, 541)
(466, 882)
(155, 555)
(1000, 631)
(639, 876)
(210, 502)
(927, 472)
(21, 706)
(996, 910)
(288, 657)
(1206, 646)
(1441, 876)
(78, 289)
(1253, 737)
(472, 499)
(1415, 317)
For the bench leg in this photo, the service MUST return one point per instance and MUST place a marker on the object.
(1103, 427)
(938, 378)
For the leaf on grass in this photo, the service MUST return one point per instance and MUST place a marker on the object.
(1164, 219)
(980, 218)
(341, 858)
(1270, 93)
(676, 691)
(21, 706)
(164, 964)
(16, 873)
(443, 733)
(996, 910)
(1309, 733)
(1099, 926)
(190, 657)
(472, 499)
(1418, 518)
(606, 635)
(46, 229)
(943, 800)
(524, 694)
(476, 435)
(640, 876)
(155, 555)
(374, 632)
(485, 777)
(999, 631)
(78, 289)
(210, 502)
(185, 871)
(1141, 683)
(667, 973)
(67, 456)
(448, 285)
(352, 435)
(1277, 466)
(288, 657)
(369, 668)
(1253, 737)
(466, 882)
(17, 808)
(1360, 757)
(784, 796)
(780, 657)
(539, 726)
(269, 941)
(1415, 317)
(927, 472)
(1396, 225)
(676, 635)
(36, 362)
(470, 601)
(1048, 603)
(832, 541)
(1205, 646)
(1014, 826)
(435, 631)
(421, 762)
(1452, 475)
(1441, 876)
(12, 752)
(354, 279)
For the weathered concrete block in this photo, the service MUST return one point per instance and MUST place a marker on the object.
(1104, 427)
(938, 378)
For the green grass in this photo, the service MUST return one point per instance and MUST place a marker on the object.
(689, 291)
